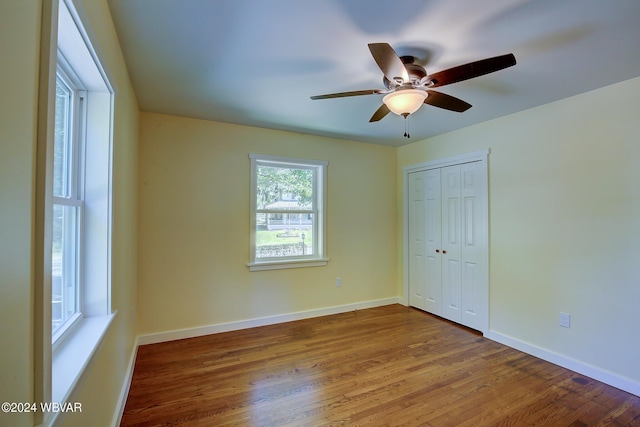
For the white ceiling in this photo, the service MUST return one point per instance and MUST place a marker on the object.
(257, 62)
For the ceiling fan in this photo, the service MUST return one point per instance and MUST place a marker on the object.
(408, 85)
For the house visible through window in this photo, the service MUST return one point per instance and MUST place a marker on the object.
(287, 212)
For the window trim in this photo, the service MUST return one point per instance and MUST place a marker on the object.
(318, 208)
(57, 371)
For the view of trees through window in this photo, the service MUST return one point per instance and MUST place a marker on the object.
(274, 183)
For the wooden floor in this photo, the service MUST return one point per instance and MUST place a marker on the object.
(378, 367)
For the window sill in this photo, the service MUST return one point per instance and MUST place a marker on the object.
(278, 265)
(72, 356)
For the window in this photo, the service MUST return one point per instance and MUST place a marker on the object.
(287, 212)
(67, 204)
(78, 302)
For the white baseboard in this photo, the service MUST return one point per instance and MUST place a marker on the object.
(582, 368)
(124, 392)
(260, 321)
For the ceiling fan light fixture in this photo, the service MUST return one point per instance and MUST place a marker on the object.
(406, 101)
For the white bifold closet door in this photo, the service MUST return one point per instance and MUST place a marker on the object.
(447, 243)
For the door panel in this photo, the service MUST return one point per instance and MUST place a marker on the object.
(451, 243)
(451, 289)
(433, 240)
(475, 285)
(416, 241)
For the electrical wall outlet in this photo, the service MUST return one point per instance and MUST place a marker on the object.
(565, 320)
(338, 282)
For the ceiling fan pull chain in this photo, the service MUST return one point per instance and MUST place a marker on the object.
(406, 125)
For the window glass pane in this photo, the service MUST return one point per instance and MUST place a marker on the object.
(62, 140)
(288, 212)
(284, 235)
(281, 188)
(64, 265)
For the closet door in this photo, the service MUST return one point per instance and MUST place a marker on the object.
(417, 261)
(474, 280)
(451, 244)
(433, 241)
(448, 243)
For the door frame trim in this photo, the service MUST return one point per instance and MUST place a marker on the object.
(474, 156)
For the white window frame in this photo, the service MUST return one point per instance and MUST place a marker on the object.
(75, 196)
(318, 208)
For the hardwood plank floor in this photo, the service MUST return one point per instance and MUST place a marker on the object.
(385, 366)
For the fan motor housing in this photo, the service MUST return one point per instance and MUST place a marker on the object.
(415, 71)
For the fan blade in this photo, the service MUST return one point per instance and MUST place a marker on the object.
(352, 93)
(472, 69)
(448, 102)
(388, 61)
(380, 113)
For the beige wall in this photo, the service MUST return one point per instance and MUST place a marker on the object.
(194, 225)
(19, 44)
(99, 392)
(564, 223)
